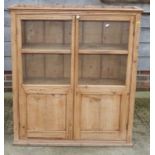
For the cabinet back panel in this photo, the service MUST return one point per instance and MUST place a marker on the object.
(54, 66)
(112, 32)
(104, 33)
(92, 32)
(33, 65)
(67, 27)
(33, 32)
(47, 68)
(102, 69)
(90, 65)
(54, 32)
(46, 32)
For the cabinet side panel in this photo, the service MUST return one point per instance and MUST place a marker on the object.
(133, 76)
(14, 76)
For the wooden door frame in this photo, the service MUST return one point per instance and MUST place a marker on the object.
(100, 89)
(110, 17)
(42, 88)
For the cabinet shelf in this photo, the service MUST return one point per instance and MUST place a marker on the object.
(47, 48)
(89, 81)
(103, 49)
(65, 49)
(52, 81)
(82, 81)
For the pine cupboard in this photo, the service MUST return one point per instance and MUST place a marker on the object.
(74, 74)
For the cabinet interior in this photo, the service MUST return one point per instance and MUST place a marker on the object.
(46, 34)
(46, 68)
(54, 35)
(95, 38)
(102, 69)
(104, 35)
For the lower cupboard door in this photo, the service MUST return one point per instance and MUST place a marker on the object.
(46, 116)
(100, 117)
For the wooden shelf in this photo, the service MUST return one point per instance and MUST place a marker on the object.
(83, 49)
(103, 49)
(52, 81)
(47, 48)
(93, 81)
(82, 81)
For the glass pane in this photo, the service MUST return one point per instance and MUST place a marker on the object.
(46, 34)
(102, 69)
(106, 35)
(46, 68)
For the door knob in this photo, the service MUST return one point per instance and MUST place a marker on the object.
(77, 17)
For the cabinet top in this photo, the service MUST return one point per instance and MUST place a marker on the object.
(76, 8)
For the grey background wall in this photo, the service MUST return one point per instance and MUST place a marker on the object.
(144, 49)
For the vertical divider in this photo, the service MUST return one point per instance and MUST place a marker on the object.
(71, 125)
(76, 94)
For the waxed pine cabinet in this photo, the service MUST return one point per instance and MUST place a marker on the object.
(74, 74)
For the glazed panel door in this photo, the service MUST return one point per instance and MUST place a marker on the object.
(45, 55)
(102, 76)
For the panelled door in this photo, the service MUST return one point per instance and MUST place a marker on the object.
(45, 55)
(102, 79)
